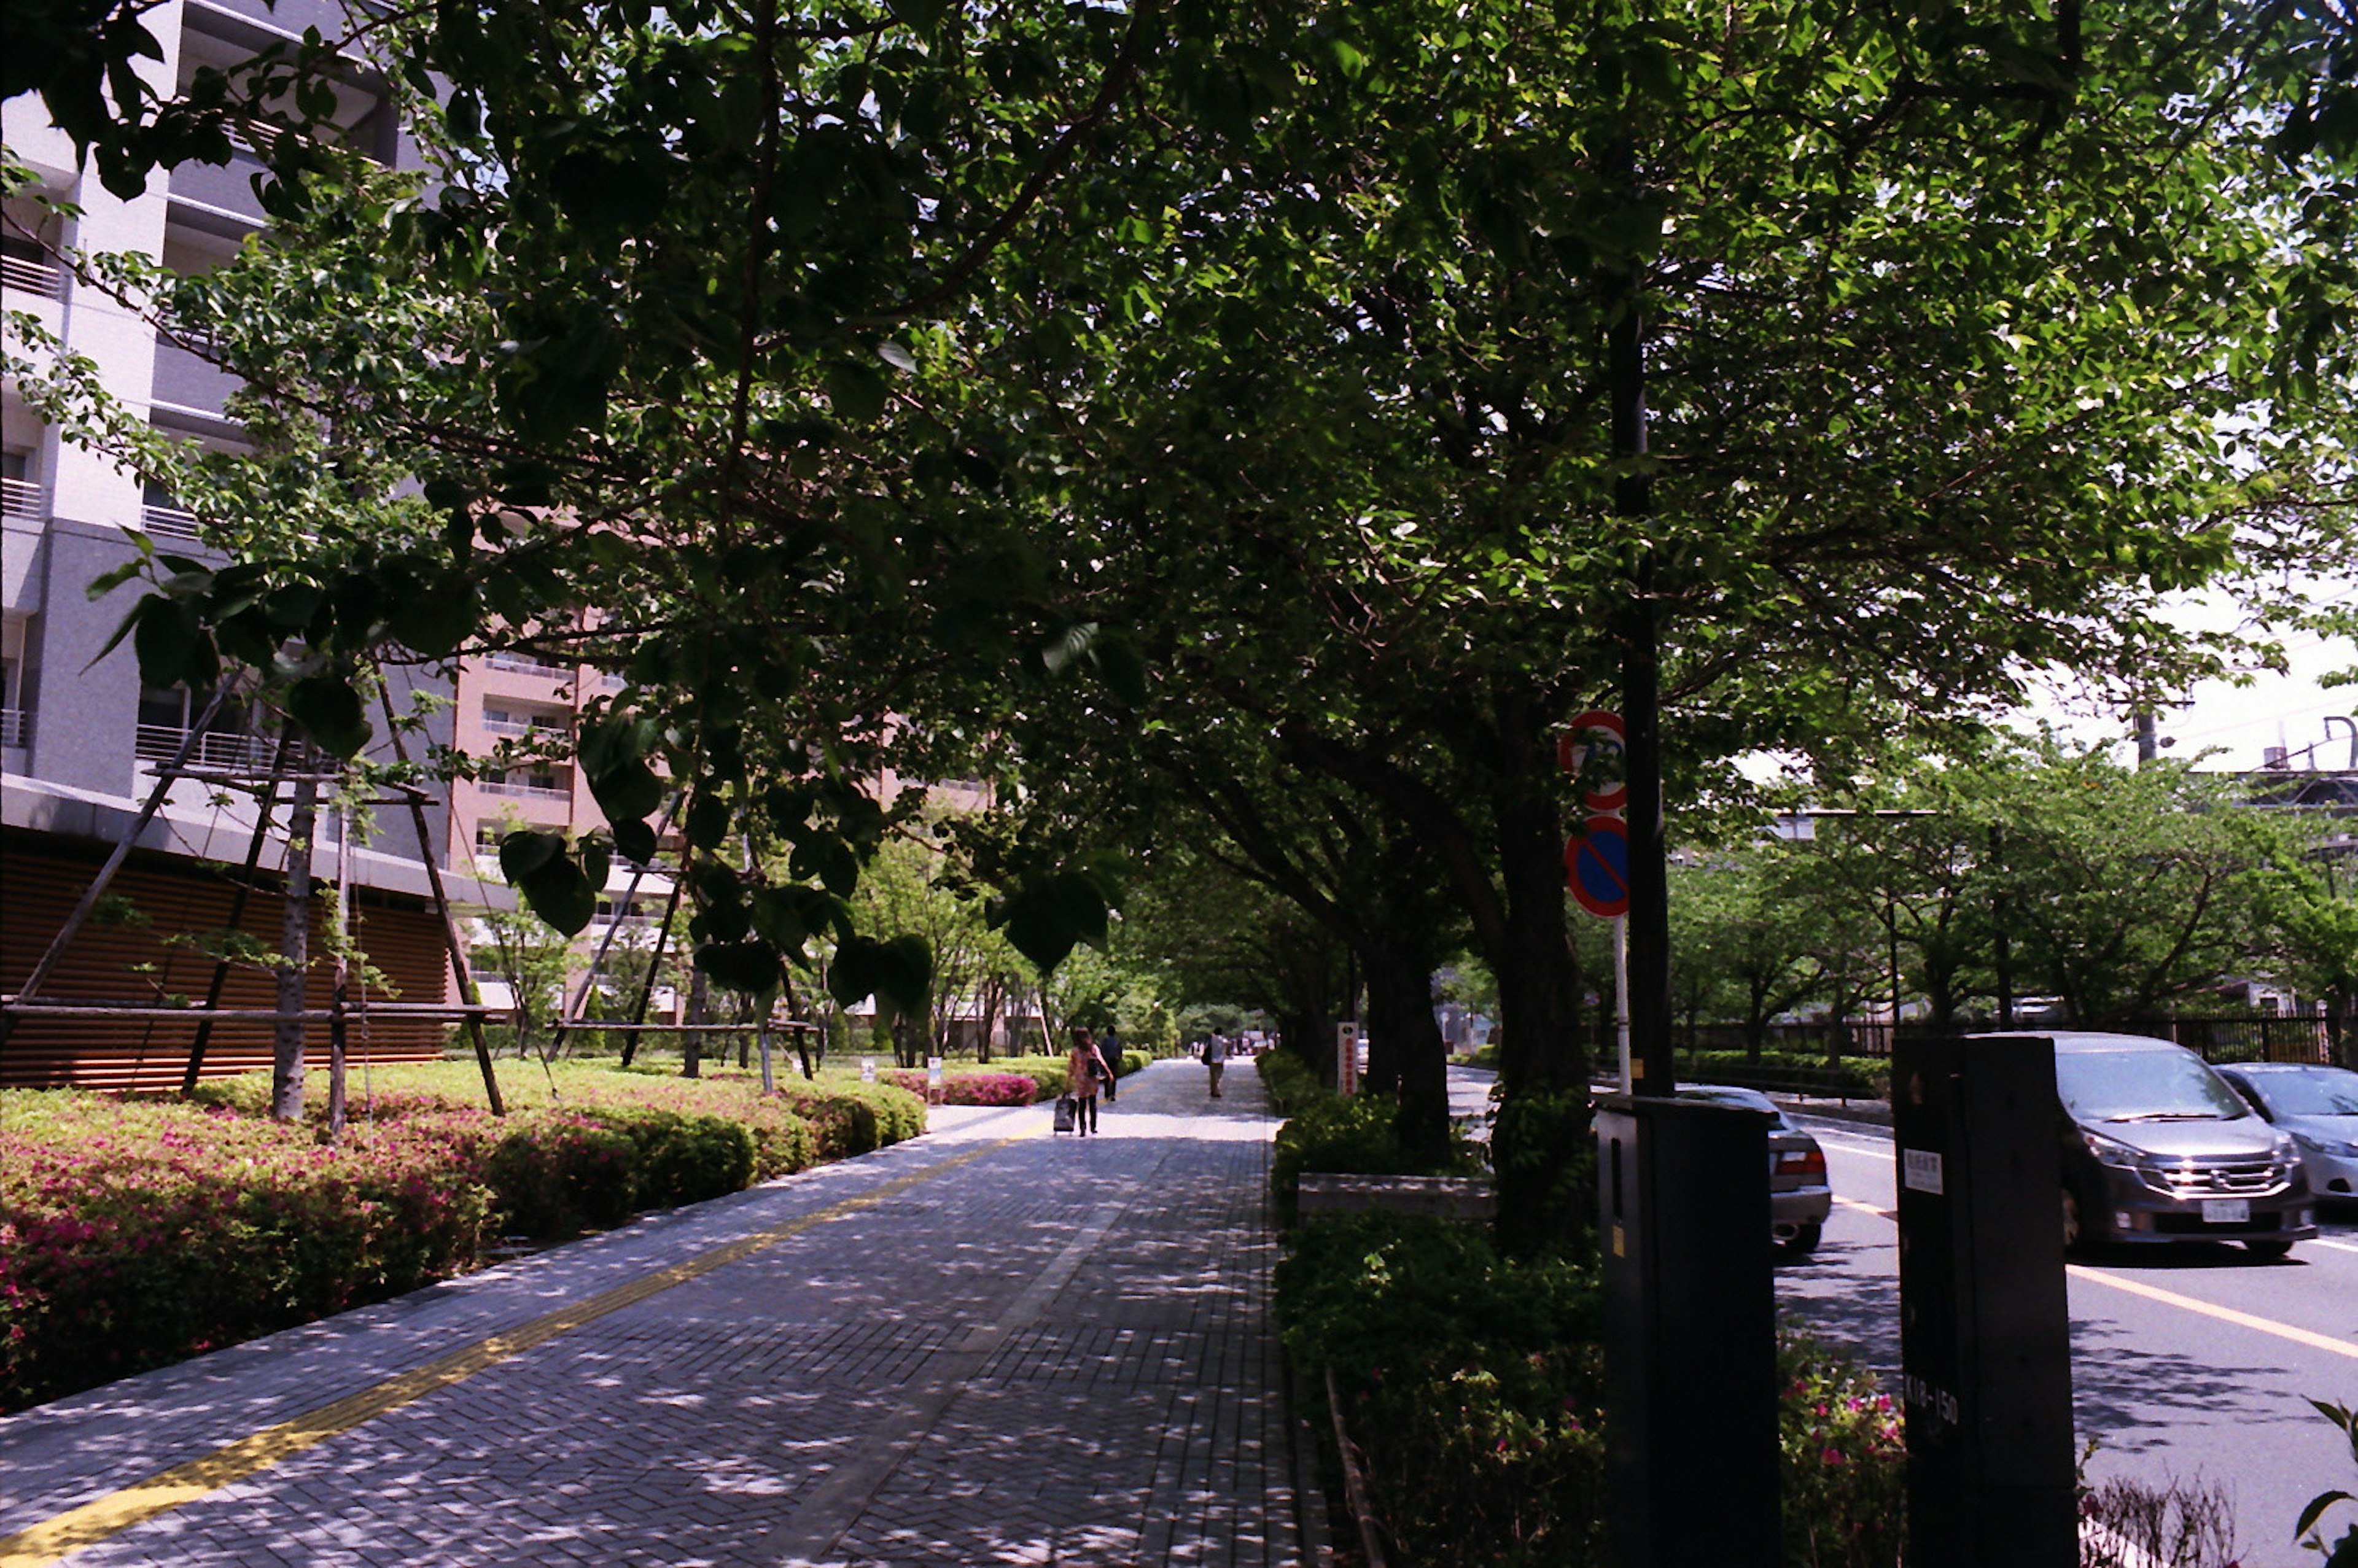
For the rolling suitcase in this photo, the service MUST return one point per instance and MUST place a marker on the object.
(1066, 1110)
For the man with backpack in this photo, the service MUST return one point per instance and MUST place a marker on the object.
(1216, 1059)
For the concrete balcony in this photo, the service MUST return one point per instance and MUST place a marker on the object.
(16, 728)
(224, 188)
(187, 380)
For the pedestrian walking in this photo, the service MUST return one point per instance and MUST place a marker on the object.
(1082, 1068)
(1109, 1053)
(1216, 1060)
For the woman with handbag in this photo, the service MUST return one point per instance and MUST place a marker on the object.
(1081, 1079)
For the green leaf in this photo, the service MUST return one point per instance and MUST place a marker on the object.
(436, 616)
(627, 792)
(708, 821)
(560, 896)
(751, 967)
(2317, 1506)
(634, 839)
(904, 975)
(527, 850)
(925, 15)
(857, 391)
(107, 582)
(329, 710)
(1046, 919)
(173, 646)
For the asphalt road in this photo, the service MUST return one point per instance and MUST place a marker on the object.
(2187, 1362)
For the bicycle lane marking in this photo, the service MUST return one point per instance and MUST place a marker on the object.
(102, 1518)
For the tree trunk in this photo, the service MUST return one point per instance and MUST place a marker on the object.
(1405, 1035)
(294, 952)
(691, 1043)
(1540, 1142)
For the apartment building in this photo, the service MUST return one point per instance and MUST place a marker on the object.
(81, 741)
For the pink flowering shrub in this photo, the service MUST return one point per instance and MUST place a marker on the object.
(1843, 1460)
(133, 1235)
(971, 1089)
(854, 1117)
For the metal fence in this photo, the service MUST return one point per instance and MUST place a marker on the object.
(2294, 1037)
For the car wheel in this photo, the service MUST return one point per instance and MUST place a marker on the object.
(1804, 1239)
(2269, 1249)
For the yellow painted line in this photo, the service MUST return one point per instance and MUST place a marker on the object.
(2224, 1315)
(101, 1518)
(2169, 1298)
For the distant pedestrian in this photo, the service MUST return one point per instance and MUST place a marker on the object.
(1109, 1052)
(1216, 1060)
(1082, 1068)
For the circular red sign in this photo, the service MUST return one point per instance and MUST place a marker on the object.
(1596, 729)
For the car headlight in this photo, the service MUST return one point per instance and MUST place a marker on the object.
(2326, 1146)
(2111, 1152)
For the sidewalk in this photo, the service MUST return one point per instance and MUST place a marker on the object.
(989, 1346)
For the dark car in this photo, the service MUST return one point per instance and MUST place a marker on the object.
(2319, 1105)
(2158, 1148)
(1799, 1197)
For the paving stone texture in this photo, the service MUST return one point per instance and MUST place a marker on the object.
(1058, 1352)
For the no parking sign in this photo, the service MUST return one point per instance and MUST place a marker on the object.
(1597, 867)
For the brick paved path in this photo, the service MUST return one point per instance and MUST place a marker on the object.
(1056, 1351)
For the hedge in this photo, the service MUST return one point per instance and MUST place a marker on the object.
(135, 1233)
(1787, 1072)
(1473, 1383)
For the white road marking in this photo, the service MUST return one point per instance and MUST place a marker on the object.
(2172, 1298)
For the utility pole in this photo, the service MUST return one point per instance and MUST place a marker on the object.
(1652, 1067)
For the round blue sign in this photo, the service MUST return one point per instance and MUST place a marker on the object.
(1596, 866)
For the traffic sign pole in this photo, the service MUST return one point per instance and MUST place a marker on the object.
(1622, 993)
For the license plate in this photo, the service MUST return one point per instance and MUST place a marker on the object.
(2226, 1211)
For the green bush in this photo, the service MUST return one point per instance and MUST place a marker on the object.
(1788, 1072)
(1290, 1082)
(558, 1174)
(848, 1119)
(1356, 1133)
(682, 1158)
(1472, 1382)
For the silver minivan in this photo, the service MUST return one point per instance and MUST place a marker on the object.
(2156, 1148)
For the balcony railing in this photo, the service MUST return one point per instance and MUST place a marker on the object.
(170, 522)
(15, 728)
(527, 664)
(41, 278)
(20, 498)
(214, 749)
(534, 791)
(520, 729)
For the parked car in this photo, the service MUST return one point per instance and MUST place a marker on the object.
(2156, 1148)
(1799, 1197)
(2319, 1105)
